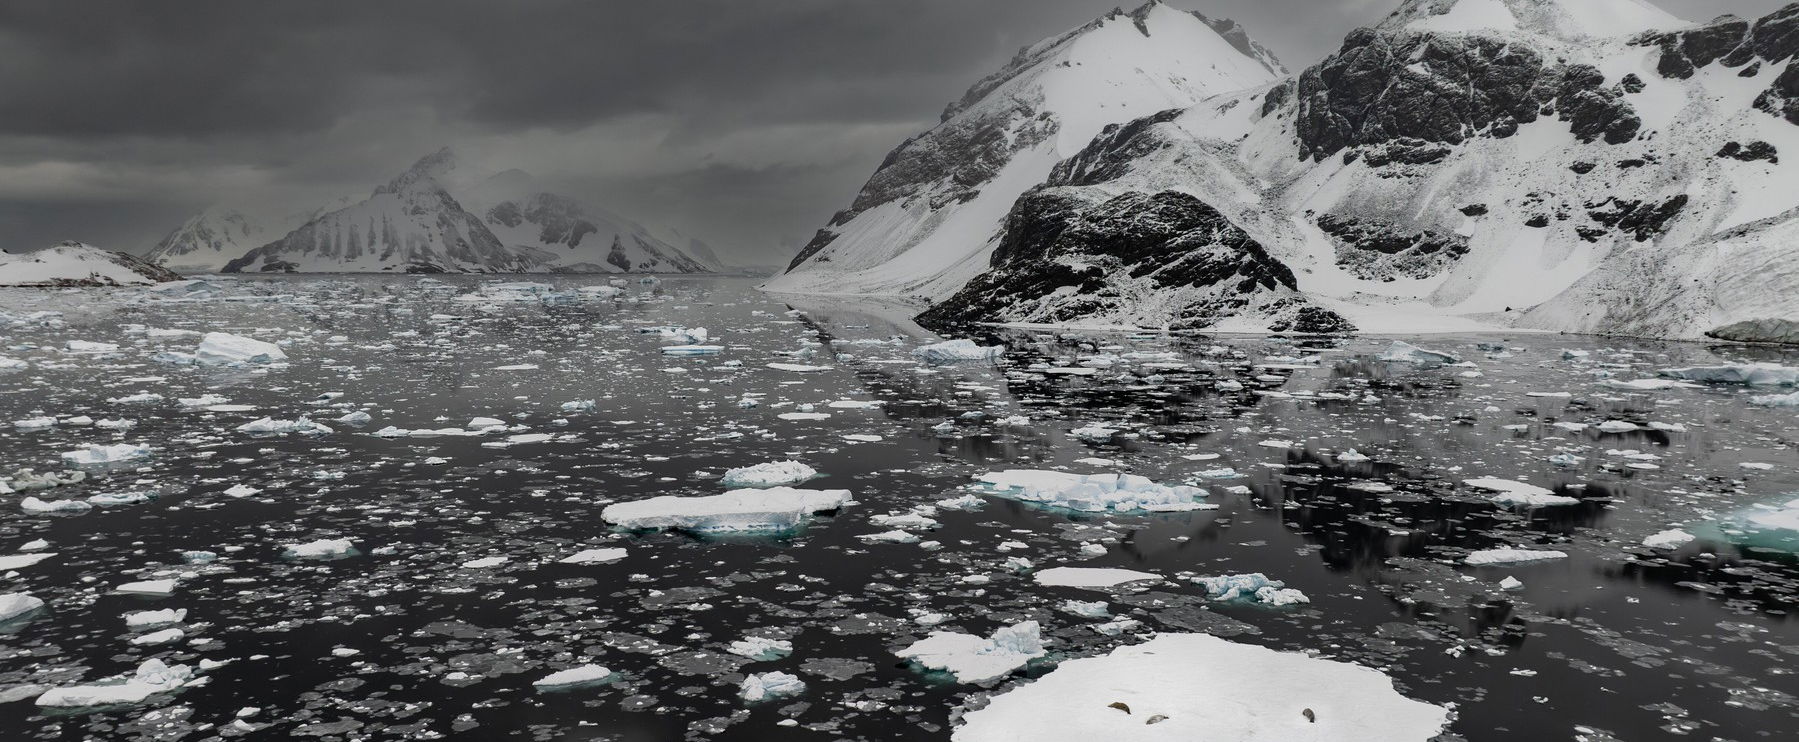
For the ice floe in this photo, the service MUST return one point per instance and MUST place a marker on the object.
(770, 474)
(1118, 493)
(974, 659)
(772, 509)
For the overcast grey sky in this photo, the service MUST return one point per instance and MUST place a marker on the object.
(747, 122)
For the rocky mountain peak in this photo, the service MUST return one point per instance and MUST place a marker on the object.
(435, 167)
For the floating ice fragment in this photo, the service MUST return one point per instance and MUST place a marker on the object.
(769, 685)
(153, 619)
(96, 455)
(486, 562)
(1512, 556)
(325, 548)
(1403, 352)
(1254, 587)
(1510, 492)
(773, 509)
(761, 648)
(152, 677)
(972, 659)
(18, 605)
(1118, 493)
(1672, 538)
(594, 556)
(1092, 577)
(953, 351)
(219, 348)
(770, 474)
(147, 587)
(1752, 374)
(36, 505)
(271, 426)
(583, 675)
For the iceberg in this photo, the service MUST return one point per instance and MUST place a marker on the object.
(1752, 374)
(1091, 493)
(1404, 352)
(771, 474)
(271, 426)
(1509, 492)
(225, 349)
(1672, 538)
(771, 685)
(760, 648)
(1254, 587)
(954, 351)
(325, 548)
(741, 510)
(973, 659)
(583, 675)
(98, 455)
(18, 605)
(1096, 577)
(154, 619)
(152, 677)
(1201, 687)
(1512, 556)
(35, 505)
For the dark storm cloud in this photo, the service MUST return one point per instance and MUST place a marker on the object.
(748, 121)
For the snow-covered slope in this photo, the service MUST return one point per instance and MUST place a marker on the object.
(929, 218)
(569, 236)
(77, 264)
(1468, 160)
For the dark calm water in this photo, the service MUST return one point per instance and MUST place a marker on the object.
(1616, 642)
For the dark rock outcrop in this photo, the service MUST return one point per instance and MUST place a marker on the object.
(1734, 42)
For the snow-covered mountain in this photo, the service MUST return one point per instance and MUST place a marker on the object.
(568, 236)
(79, 264)
(428, 220)
(1579, 165)
(930, 217)
(208, 240)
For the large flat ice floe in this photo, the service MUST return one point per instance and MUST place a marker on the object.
(1205, 688)
(974, 659)
(1096, 577)
(1512, 492)
(1092, 493)
(742, 510)
(152, 677)
(954, 351)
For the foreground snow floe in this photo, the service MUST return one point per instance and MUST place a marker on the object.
(771, 474)
(1200, 687)
(772, 509)
(1512, 492)
(1118, 493)
(973, 659)
(152, 677)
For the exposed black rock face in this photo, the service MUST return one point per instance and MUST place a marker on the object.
(1757, 150)
(1474, 210)
(561, 221)
(1382, 252)
(1640, 219)
(1734, 42)
(1582, 167)
(1111, 153)
(1067, 257)
(1537, 221)
(1405, 151)
(1384, 86)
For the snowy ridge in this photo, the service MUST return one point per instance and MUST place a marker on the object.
(929, 218)
(1450, 177)
(575, 238)
(208, 240)
(77, 264)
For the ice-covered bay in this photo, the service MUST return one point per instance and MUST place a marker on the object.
(458, 578)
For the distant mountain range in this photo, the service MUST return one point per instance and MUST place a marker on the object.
(1578, 165)
(422, 222)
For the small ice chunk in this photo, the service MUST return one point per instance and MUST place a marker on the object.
(486, 562)
(165, 636)
(153, 619)
(156, 588)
